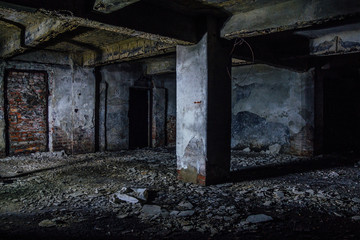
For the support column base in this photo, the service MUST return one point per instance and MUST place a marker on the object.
(191, 175)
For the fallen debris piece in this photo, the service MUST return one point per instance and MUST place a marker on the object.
(152, 211)
(131, 195)
(47, 223)
(119, 197)
(185, 205)
(258, 218)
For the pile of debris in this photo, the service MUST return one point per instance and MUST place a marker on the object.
(136, 194)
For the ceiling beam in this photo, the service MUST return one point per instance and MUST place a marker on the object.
(130, 49)
(289, 15)
(28, 32)
(161, 65)
(109, 6)
(82, 22)
(143, 17)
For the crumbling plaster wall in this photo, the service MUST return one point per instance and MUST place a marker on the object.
(168, 81)
(272, 106)
(118, 78)
(71, 104)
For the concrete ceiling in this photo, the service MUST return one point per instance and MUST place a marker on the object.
(105, 31)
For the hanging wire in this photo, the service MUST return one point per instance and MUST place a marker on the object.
(238, 42)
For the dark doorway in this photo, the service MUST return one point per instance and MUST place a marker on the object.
(139, 118)
(340, 110)
(26, 111)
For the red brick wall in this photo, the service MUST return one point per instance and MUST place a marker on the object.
(26, 94)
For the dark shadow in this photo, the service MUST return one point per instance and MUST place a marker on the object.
(278, 170)
(67, 164)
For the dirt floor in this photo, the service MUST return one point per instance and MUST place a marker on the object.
(136, 195)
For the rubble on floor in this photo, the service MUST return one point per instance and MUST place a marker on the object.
(136, 194)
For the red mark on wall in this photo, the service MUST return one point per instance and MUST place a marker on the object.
(197, 102)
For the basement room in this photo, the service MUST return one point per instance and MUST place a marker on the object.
(197, 119)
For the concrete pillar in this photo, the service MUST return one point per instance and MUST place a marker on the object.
(204, 110)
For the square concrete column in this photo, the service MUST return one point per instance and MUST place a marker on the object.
(203, 111)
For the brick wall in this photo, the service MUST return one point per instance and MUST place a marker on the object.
(26, 94)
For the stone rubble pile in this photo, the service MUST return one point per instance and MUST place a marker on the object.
(143, 185)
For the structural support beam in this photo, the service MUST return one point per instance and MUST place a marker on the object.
(28, 30)
(204, 110)
(44, 30)
(161, 65)
(287, 15)
(141, 18)
(130, 49)
(109, 6)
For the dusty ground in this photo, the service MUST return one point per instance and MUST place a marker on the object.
(50, 196)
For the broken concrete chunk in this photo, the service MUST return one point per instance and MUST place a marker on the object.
(258, 218)
(131, 195)
(151, 211)
(279, 194)
(186, 213)
(246, 150)
(274, 149)
(47, 223)
(141, 193)
(185, 205)
(119, 197)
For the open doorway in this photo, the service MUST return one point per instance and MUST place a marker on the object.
(338, 110)
(139, 118)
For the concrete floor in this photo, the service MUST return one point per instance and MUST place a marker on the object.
(79, 197)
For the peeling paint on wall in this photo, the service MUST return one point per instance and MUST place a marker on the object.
(272, 106)
(191, 118)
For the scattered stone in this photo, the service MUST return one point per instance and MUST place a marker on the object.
(151, 211)
(187, 213)
(141, 193)
(247, 150)
(310, 192)
(267, 203)
(118, 198)
(334, 174)
(174, 213)
(122, 216)
(258, 218)
(47, 223)
(274, 149)
(279, 194)
(185, 205)
(216, 209)
(187, 228)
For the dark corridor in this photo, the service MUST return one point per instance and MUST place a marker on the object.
(139, 118)
(341, 110)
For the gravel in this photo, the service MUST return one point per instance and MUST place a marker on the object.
(70, 193)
